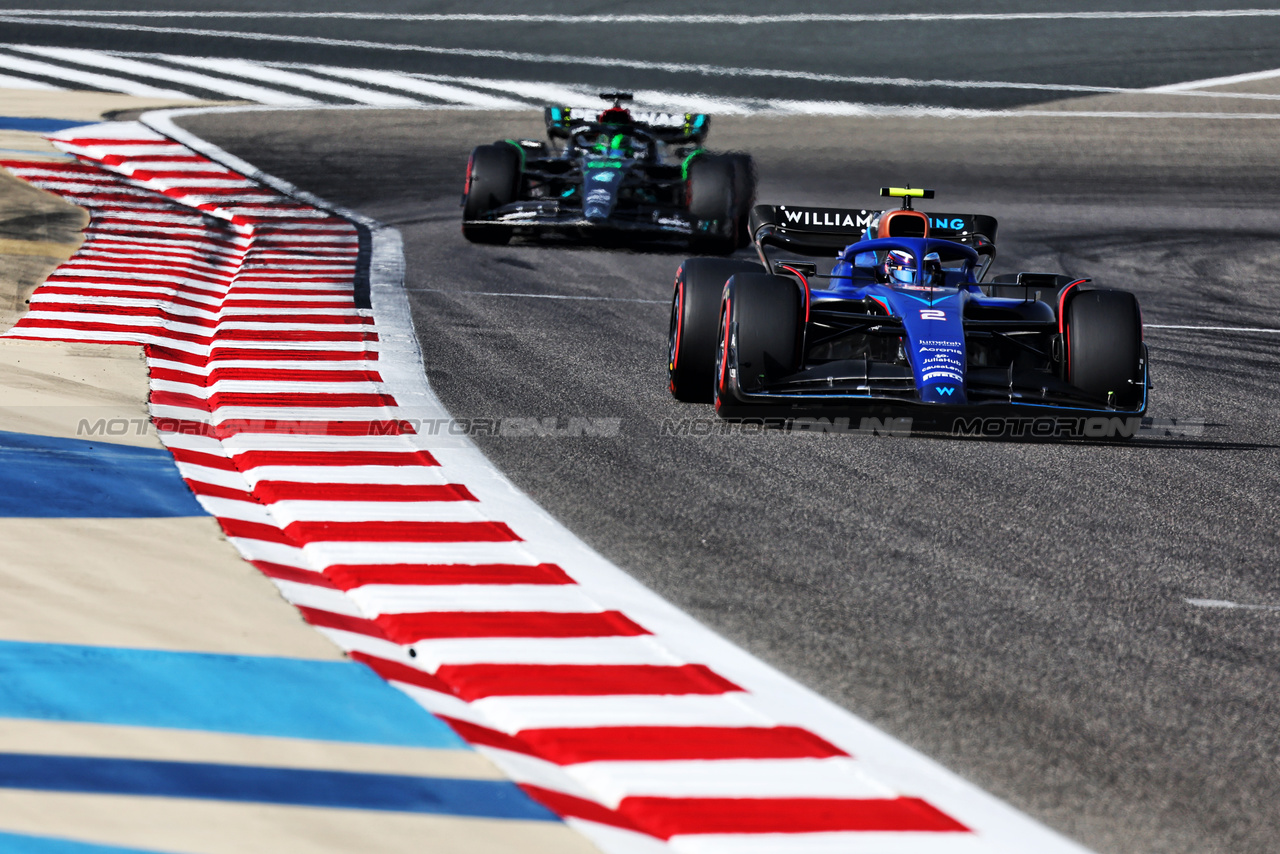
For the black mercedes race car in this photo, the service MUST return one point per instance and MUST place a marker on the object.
(639, 177)
(889, 312)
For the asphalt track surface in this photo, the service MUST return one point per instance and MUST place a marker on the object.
(1014, 609)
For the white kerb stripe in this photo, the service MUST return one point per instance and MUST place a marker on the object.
(513, 714)
(629, 650)
(834, 777)
(377, 511)
(328, 554)
(898, 842)
(414, 599)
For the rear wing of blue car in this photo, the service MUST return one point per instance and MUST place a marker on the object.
(671, 128)
(795, 226)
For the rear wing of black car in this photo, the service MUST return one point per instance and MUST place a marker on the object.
(671, 128)
(810, 230)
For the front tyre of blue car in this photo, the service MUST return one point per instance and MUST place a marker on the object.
(692, 337)
(759, 335)
(1104, 356)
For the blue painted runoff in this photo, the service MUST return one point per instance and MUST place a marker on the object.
(37, 125)
(21, 843)
(46, 477)
(246, 695)
(294, 786)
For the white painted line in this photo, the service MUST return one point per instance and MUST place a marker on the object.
(407, 83)
(1216, 81)
(7, 82)
(533, 296)
(1228, 605)
(89, 78)
(566, 59)
(294, 80)
(1212, 328)
(542, 93)
(740, 20)
(221, 85)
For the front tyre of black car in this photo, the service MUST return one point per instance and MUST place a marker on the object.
(493, 180)
(1104, 354)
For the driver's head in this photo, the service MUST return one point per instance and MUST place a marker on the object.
(900, 267)
(615, 144)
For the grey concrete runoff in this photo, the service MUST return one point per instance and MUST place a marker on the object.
(1016, 610)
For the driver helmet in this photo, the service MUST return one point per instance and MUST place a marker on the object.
(615, 145)
(900, 267)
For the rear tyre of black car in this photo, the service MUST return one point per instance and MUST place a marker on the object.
(744, 196)
(493, 180)
(758, 340)
(1104, 353)
(695, 310)
(711, 202)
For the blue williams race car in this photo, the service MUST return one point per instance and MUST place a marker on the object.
(888, 313)
(611, 176)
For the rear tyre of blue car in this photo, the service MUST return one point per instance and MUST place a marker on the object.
(711, 203)
(695, 310)
(493, 180)
(758, 340)
(1104, 353)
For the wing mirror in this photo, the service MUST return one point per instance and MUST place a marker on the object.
(933, 269)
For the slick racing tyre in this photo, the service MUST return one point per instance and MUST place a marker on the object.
(758, 339)
(1103, 347)
(493, 180)
(710, 197)
(695, 308)
(744, 196)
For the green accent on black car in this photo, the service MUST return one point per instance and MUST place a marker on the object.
(684, 167)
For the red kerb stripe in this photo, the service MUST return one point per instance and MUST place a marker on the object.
(342, 622)
(278, 490)
(668, 817)
(401, 532)
(397, 672)
(477, 681)
(411, 628)
(293, 573)
(253, 459)
(348, 576)
(649, 743)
